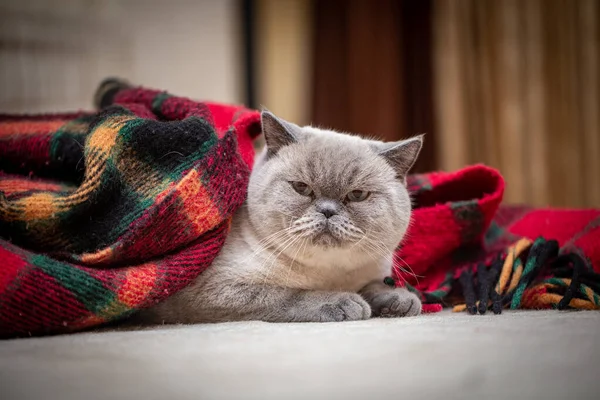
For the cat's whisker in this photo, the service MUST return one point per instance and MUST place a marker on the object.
(291, 267)
(270, 251)
(373, 254)
(276, 248)
(412, 273)
(303, 228)
(304, 240)
(393, 256)
(266, 244)
(409, 270)
(285, 247)
(265, 249)
(359, 240)
(270, 246)
(398, 275)
(273, 236)
(382, 251)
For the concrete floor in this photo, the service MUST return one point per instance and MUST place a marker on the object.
(520, 355)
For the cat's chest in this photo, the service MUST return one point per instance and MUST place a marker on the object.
(336, 278)
(353, 281)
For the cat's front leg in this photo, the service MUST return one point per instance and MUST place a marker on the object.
(391, 302)
(242, 301)
(330, 307)
(281, 304)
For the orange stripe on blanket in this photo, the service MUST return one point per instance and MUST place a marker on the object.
(104, 137)
(10, 186)
(139, 281)
(30, 128)
(541, 300)
(39, 206)
(100, 256)
(197, 204)
(101, 141)
(88, 321)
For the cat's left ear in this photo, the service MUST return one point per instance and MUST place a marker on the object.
(402, 155)
(278, 132)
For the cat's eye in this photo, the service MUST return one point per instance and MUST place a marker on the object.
(302, 188)
(357, 195)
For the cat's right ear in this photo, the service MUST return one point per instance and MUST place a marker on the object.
(278, 132)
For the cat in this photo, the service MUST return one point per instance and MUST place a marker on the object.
(315, 238)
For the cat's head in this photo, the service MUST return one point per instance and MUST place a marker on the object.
(324, 190)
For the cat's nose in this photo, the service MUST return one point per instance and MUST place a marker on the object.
(328, 213)
(327, 208)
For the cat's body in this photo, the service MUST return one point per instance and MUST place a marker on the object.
(315, 238)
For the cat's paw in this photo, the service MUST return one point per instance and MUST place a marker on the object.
(396, 303)
(344, 307)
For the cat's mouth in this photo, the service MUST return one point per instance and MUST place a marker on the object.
(325, 232)
(326, 239)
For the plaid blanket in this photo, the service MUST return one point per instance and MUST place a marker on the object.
(102, 214)
(466, 249)
(105, 213)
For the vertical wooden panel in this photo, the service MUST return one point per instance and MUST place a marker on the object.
(417, 66)
(534, 127)
(358, 76)
(510, 112)
(284, 53)
(561, 101)
(589, 90)
(449, 96)
(551, 34)
(469, 39)
(331, 86)
(573, 124)
(248, 20)
(373, 72)
(486, 20)
(518, 88)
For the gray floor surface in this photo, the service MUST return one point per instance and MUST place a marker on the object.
(518, 355)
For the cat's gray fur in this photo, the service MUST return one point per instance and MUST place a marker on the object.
(284, 260)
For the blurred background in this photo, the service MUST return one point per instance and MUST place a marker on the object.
(513, 84)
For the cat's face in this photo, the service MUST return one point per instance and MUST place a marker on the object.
(325, 190)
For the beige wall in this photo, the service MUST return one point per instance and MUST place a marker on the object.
(53, 53)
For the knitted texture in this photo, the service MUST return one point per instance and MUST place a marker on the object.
(105, 213)
(464, 247)
(102, 214)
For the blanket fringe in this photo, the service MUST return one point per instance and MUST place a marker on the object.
(567, 281)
